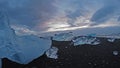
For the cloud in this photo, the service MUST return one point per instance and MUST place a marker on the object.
(62, 15)
(119, 18)
(73, 9)
(103, 14)
(108, 11)
(28, 12)
(80, 14)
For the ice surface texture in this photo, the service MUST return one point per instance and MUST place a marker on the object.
(52, 53)
(20, 49)
(63, 37)
(86, 40)
(111, 39)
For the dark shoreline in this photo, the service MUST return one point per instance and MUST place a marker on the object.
(82, 56)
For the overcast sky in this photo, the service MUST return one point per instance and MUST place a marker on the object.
(44, 16)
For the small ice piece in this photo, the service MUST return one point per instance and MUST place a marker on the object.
(52, 53)
(111, 39)
(63, 36)
(115, 52)
(86, 40)
(95, 64)
(79, 41)
(96, 42)
(89, 63)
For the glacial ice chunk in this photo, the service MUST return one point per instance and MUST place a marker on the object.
(7, 38)
(111, 39)
(86, 40)
(52, 53)
(63, 37)
(115, 52)
(20, 49)
(30, 47)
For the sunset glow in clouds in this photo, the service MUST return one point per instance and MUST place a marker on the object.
(44, 16)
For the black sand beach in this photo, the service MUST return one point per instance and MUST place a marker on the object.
(82, 56)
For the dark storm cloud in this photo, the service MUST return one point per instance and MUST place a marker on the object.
(110, 9)
(103, 14)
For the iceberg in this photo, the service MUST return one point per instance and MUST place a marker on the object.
(63, 36)
(7, 37)
(85, 40)
(111, 39)
(52, 53)
(30, 47)
(20, 49)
